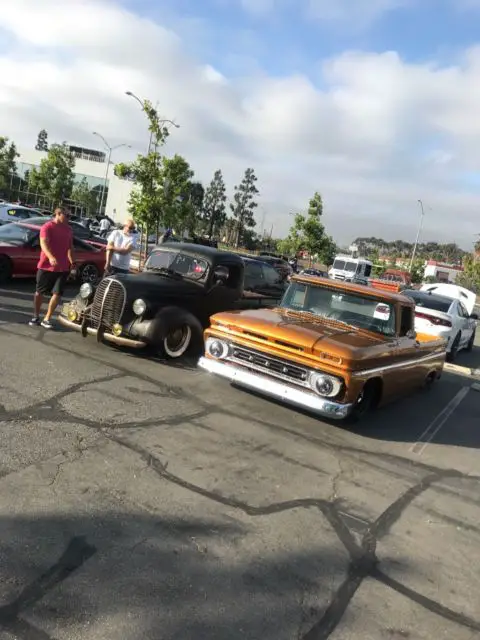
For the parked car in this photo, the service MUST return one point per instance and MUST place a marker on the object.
(263, 279)
(20, 252)
(318, 273)
(79, 231)
(282, 266)
(334, 348)
(16, 213)
(444, 317)
(168, 304)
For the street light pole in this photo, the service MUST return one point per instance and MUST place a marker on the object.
(422, 215)
(109, 158)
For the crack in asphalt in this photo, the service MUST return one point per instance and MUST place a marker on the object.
(363, 561)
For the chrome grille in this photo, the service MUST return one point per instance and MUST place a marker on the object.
(275, 367)
(108, 304)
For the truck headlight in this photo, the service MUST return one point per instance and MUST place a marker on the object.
(139, 307)
(86, 290)
(217, 348)
(325, 385)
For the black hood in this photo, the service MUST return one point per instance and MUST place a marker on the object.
(149, 284)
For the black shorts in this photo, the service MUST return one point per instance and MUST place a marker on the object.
(49, 282)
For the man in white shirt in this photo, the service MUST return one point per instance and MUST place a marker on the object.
(120, 245)
(104, 226)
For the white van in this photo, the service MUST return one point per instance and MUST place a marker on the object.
(350, 269)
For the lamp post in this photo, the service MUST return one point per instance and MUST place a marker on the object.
(422, 215)
(109, 158)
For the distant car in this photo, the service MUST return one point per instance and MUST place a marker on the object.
(261, 278)
(79, 231)
(20, 251)
(444, 317)
(281, 266)
(16, 213)
(315, 272)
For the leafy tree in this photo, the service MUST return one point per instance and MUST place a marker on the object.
(8, 165)
(214, 204)
(244, 204)
(417, 272)
(55, 176)
(147, 198)
(42, 141)
(308, 234)
(178, 204)
(85, 197)
(470, 278)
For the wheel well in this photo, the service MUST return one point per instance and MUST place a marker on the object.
(375, 386)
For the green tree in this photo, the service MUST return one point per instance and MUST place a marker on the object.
(470, 278)
(42, 141)
(85, 197)
(8, 165)
(214, 204)
(55, 176)
(147, 198)
(417, 272)
(177, 201)
(244, 204)
(308, 234)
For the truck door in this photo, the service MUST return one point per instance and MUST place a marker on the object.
(410, 351)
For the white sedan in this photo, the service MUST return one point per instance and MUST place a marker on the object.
(445, 317)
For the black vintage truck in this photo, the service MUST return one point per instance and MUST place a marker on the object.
(168, 305)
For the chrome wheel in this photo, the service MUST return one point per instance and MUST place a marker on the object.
(177, 342)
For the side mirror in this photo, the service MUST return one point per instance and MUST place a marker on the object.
(411, 334)
(221, 274)
(474, 316)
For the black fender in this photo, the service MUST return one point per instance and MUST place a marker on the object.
(166, 320)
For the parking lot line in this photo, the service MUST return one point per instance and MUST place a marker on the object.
(16, 311)
(438, 422)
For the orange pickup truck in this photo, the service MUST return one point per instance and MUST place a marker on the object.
(336, 349)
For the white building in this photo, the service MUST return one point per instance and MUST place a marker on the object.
(442, 272)
(92, 165)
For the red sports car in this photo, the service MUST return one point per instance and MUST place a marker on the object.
(20, 251)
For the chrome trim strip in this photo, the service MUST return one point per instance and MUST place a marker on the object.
(109, 337)
(265, 369)
(397, 365)
(273, 374)
(264, 385)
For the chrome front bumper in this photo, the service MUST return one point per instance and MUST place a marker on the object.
(276, 389)
(108, 337)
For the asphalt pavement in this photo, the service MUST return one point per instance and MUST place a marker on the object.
(142, 500)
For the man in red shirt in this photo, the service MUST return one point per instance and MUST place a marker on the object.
(53, 268)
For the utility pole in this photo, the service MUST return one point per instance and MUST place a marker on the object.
(109, 161)
(422, 215)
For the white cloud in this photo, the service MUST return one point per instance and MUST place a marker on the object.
(377, 136)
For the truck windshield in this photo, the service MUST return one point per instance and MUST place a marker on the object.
(343, 265)
(363, 312)
(191, 267)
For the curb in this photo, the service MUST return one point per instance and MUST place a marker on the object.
(466, 371)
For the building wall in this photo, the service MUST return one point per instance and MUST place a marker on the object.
(95, 173)
(442, 272)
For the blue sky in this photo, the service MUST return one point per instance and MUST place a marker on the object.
(374, 107)
(289, 40)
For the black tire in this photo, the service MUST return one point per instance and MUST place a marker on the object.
(5, 269)
(88, 273)
(453, 353)
(367, 401)
(471, 342)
